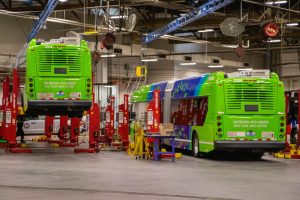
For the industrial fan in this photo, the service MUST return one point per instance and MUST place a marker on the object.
(232, 27)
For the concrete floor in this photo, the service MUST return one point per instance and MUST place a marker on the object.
(60, 174)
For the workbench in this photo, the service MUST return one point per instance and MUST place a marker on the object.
(156, 138)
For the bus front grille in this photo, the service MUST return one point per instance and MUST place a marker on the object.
(238, 94)
(49, 58)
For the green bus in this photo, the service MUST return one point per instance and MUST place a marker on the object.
(58, 77)
(237, 112)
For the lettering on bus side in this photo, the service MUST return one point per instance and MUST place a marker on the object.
(250, 123)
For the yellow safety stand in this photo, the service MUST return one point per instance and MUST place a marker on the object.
(291, 152)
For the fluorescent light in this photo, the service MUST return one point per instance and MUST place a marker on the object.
(150, 60)
(230, 46)
(245, 69)
(292, 24)
(109, 86)
(206, 30)
(274, 41)
(118, 16)
(108, 55)
(63, 1)
(188, 63)
(275, 2)
(215, 66)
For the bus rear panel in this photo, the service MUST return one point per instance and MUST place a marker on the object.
(58, 77)
(253, 115)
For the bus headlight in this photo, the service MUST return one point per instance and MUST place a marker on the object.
(219, 129)
(282, 118)
(281, 124)
(218, 117)
(281, 130)
(220, 135)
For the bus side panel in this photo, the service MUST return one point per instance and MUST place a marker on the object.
(205, 135)
(183, 137)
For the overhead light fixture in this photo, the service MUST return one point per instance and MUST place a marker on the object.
(206, 30)
(63, 1)
(245, 69)
(118, 16)
(150, 60)
(188, 63)
(275, 2)
(109, 86)
(215, 66)
(274, 41)
(230, 46)
(108, 55)
(292, 24)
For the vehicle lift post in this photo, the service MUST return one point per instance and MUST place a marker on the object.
(10, 114)
(75, 129)
(110, 118)
(49, 126)
(94, 131)
(298, 143)
(153, 113)
(288, 127)
(63, 127)
(123, 122)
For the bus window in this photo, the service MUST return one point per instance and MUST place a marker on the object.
(202, 110)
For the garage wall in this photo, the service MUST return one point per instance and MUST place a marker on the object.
(290, 60)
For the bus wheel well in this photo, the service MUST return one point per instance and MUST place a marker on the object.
(194, 133)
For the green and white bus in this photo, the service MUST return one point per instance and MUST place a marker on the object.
(242, 111)
(58, 77)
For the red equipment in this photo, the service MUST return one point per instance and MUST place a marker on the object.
(94, 131)
(153, 113)
(75, 130)
(270, 30)
(298, 119)
(49, 126)
(110, 116)
(9, 111)
(288, 128)
(63, 127)
(123, 122)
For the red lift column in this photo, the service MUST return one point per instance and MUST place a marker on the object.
(11, 113)
(11, 117)
(63, 127)
(110, 117)
(94, 131)
(75, 129)
(288, 126)
(153, 113)
(298, 143)
(49, 126)
(123, 122)
(5, 98)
